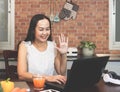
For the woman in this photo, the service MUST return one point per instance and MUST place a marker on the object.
(38, 54)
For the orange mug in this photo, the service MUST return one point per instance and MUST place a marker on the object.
(38, 81)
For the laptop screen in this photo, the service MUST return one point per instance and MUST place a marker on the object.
(86, 72)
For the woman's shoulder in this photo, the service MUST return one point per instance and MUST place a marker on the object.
(25, 43)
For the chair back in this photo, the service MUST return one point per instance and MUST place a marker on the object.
(11, 70)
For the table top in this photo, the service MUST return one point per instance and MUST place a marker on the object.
(100, 87)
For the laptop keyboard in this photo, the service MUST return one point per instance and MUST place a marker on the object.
(56, 86)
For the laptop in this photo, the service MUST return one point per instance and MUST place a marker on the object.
(85, 72)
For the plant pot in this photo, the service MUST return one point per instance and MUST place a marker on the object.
(87, 52)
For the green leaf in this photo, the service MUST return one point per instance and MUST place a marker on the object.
(8, 79)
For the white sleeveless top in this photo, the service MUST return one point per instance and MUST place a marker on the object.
(40, 62)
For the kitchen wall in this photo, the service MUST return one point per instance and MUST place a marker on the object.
(91, 22)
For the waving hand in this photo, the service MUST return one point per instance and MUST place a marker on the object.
(63, 41)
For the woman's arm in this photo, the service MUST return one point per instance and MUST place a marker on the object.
(22, 63)
(61, 58)
(61, 64)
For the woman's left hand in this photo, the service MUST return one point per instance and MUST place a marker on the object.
(63, 41)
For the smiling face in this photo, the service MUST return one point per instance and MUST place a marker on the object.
(42, 30)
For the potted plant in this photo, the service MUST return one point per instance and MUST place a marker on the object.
(87, 48)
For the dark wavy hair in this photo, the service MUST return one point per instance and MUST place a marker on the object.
(33, 23)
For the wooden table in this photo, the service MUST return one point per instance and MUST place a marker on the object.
(100, 87)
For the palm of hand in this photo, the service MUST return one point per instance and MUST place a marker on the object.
(63, 47)
(63, 41)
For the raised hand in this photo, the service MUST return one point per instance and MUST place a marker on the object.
(63, 41)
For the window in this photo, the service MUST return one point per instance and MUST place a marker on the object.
(7, 24)
(114, 24)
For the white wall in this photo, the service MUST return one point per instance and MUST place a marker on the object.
(113, 66)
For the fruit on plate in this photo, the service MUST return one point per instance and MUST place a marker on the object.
(7, 85)
(17, 89)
